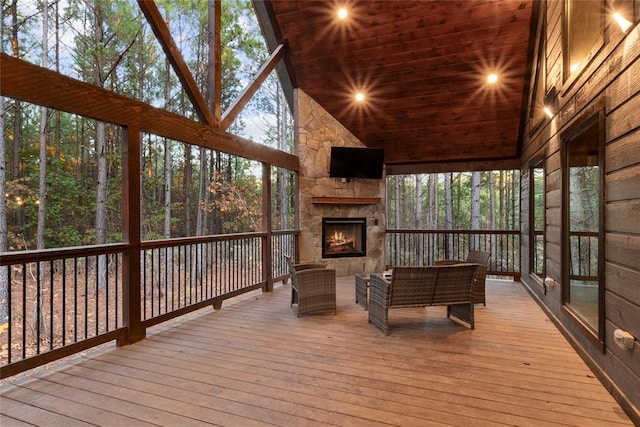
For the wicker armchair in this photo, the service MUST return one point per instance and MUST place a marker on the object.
(313, 287)
(482, 259)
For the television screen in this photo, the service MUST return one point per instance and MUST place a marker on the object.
(356, 162)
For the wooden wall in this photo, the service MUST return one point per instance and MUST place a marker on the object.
(610, 81)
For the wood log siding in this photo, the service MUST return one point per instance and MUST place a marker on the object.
(612, 79)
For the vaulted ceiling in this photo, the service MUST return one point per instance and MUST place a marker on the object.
(422, 67)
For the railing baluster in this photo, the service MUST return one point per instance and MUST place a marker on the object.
(51, 292)
(9, 313)
(503, 246)
(24, 311)
(96, 290)
(223, 265)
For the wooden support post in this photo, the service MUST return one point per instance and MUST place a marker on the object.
(267, 249)
(131, 310)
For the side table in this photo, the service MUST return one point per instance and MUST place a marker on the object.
(362, 290)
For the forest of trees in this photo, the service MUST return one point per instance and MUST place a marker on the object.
(62, 173)
(459, 201)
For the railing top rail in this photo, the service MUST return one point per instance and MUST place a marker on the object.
(19, 257)
(283, 232)
(151, 244)
(39, 255)
(415, 231)
(584, 233)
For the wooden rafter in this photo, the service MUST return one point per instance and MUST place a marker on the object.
(214, 83)
(237, 106)
(161, 31)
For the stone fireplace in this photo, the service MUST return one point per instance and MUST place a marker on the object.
(323, 197)
(344, 237)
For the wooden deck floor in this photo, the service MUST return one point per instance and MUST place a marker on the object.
(256, 363)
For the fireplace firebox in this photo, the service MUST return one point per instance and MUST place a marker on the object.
(344, 237)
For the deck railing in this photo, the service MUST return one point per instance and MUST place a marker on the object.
(64, 301)
(425, 247)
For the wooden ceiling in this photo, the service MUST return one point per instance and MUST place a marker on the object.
(423, 68)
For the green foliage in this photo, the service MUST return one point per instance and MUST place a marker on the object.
(109, 44)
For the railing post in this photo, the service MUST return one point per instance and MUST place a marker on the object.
(131, 218)
(267, 250)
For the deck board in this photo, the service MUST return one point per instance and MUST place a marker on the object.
(255, 363)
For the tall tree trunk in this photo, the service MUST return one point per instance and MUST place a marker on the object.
(167, 158)
(57, 131)
(492, 210)
(42, 183)
(448, 216)
(501, 202)
(17, 123)
(101, 158)
(396, 220)
(187, 189)
(4, 276)
(432, 189)
(167, 188)
(201, 217)
(43, 136)
(475, 209)
(282, 145)
(101, 200)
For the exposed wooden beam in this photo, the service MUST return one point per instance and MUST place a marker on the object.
(161, 31)
(273, 38)
(214, 84)
(31, 83)
(237, 106)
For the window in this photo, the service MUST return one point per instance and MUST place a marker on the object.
(583, 225)
(536, 109)
(537, 219)
(583, 34)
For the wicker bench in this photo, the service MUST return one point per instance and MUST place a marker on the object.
(450, 285)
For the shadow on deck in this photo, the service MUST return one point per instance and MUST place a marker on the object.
(255, 363)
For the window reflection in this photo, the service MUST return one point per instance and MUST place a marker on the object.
(583, 198)
(537, 220)
(583, 33)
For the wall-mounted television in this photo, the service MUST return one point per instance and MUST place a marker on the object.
(356, 162)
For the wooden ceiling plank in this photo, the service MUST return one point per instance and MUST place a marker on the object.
(422, 64)
(387, 60)
(490, 40)
(420, 61)
(163, 35)
(413, 25)
(386, 16)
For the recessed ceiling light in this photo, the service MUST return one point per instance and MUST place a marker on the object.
(342, 13)
(492, 78)
(622, 21)
(359, 96)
